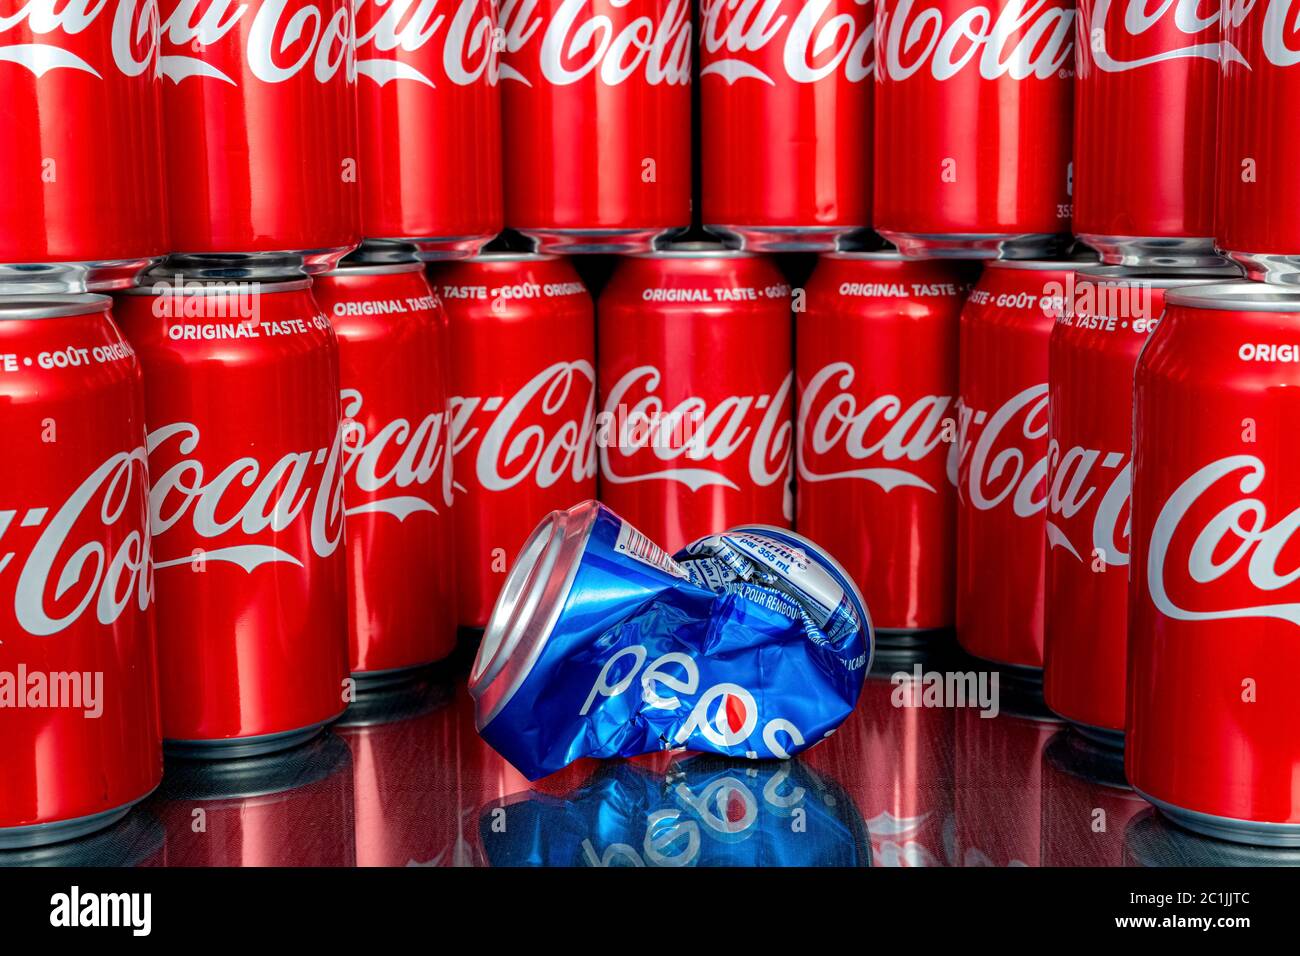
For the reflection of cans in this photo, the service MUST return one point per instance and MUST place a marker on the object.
(1086, 802)
(752, 643)
(1151, 840)
(894, 756)
(292, 808)
(403, 775)
(999, 774)
(703, 810)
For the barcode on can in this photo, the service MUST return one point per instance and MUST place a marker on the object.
(636, 545)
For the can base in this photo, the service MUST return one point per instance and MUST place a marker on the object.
(1102, 736)
(424, 248)
(1226, 828)
(1183, 252)
(902, 638)
(784, 238)
(59, 277)
(1030, 245)
(255, 265)
(230, 748)
(1259, 267)
(367, 681)
(60, 831)
(597, 241)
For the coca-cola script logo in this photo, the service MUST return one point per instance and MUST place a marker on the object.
(881, 435)
(692, 442)
(544, 432)
(815, 46)
(246, 500)
(1000, 465)
(391, 35)
(1075, 479)
(399, 457)
(69, 571)
(1131, 34)
(1025, 38)
(1228, 539)
(283, 39)
(133, 35)
(579, 42)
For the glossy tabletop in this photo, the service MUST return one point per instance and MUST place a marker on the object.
(914, 778)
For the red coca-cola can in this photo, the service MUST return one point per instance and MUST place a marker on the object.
(1002, 451)
(261, 134)
(78, 685)
(81, 157)
(429, 122)
(397, 480)
(523, 387)
(973, 125)
(1213, 726)
(1258, 190)
(1151, 82)
(597, 120)
(785, 121)
(1093, 350)
(246, 507)
(696, 425)
(876, 364)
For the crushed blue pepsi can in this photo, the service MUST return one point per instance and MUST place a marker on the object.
(751, 643)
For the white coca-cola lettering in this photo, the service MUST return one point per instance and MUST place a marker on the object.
(912, 433)
(133, 37)
(695, 433)
(281, 41)
(1176, 27)
(999, 454)
(815, 46)
(397, 456)
(1043, 43)
(469, 53)
(70, 558)
(578, 43)
(545, 431)
(1073, 481)
(1281, 23)
(281, 492)
(1237, 530)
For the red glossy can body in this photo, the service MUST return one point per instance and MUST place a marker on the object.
(1094, 349)
(81, 158)
(1259, 150)
(242, 404)
(429, 122)
(1149, 81)
(973, 125)
(785, 120)
(1002, 474)
(397, 485)
(1213, 725)
(695, 368)
(876, 366)
(523, 386)
(597, 119)
(78, 683)
(261, 134)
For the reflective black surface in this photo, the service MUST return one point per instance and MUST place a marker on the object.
(404, 780)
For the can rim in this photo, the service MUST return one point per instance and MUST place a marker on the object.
(57, 305)
(694, 249)
(505, 255)
(1162, 278)
(373, 269)
(1243, 296)
(878, 255)
(1041, 265)
(528, 607)
(201, 286)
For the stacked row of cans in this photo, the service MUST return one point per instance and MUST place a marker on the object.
(295, 127)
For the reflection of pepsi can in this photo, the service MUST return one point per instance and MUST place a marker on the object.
(752, 643)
